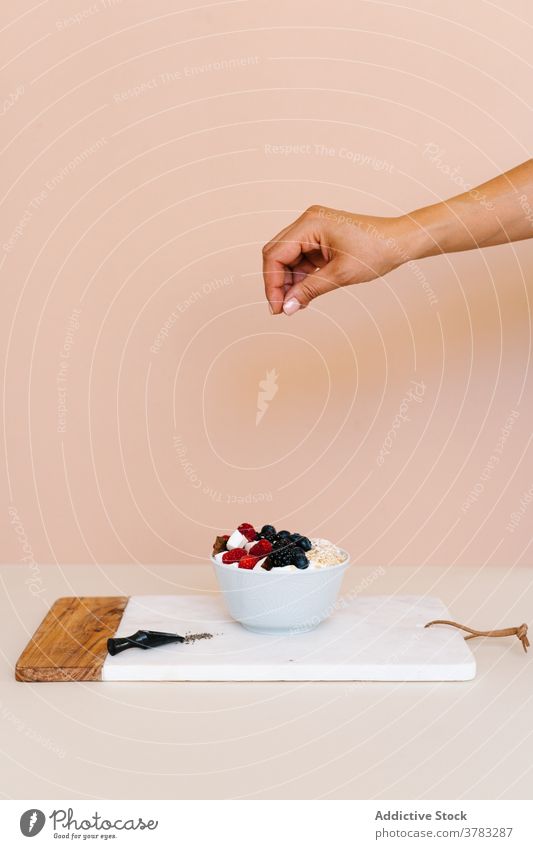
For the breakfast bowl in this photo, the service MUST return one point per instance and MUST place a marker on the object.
(280, 601)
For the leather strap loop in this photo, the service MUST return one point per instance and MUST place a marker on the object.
(520, 631)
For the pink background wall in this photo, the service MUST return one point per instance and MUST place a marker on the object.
(148, 151)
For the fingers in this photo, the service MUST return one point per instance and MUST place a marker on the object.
(311, 285)
(281, 256)
(277, 281)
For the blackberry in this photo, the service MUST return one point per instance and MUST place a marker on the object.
(282, 554)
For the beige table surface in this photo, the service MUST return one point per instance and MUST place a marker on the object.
(469, 740)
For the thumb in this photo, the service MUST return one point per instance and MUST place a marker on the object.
(322, 280)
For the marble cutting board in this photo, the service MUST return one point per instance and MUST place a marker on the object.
(373, 638)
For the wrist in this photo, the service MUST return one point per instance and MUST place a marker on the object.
(412, 238)
(438, 229)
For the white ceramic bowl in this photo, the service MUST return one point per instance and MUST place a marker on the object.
(277, 603)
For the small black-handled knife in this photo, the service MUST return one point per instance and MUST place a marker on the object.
(142, 640)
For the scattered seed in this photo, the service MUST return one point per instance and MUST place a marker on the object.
(192, 638)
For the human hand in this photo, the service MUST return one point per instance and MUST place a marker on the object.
(328, 248)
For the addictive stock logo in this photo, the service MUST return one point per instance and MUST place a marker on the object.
(32, 822)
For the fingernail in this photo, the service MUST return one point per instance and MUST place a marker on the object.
(291, 306)
(271, 310)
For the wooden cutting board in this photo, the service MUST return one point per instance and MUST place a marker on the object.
(373, 638)
(70, 643)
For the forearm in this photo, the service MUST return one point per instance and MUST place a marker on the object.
(494, 213)
(325, 249)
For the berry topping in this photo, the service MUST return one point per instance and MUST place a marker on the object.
(233, 556)
(261, 548)
(300, 560)
(305, 544)
(247, 548)
(247, 531)
(248, 562)
(283, 554)
(268, 532)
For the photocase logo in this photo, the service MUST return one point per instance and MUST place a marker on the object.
(64, 824)
(267, 389)
(32, 822)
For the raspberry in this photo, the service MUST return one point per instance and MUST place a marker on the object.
(247, 562)
(261, 548)
(247, 531)
(233, 556)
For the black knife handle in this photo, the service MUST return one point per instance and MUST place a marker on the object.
(117, 644)
(142, 640)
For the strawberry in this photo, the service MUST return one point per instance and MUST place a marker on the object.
(234, 555)
(248, 531)
(261, 548)
(247, 562)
